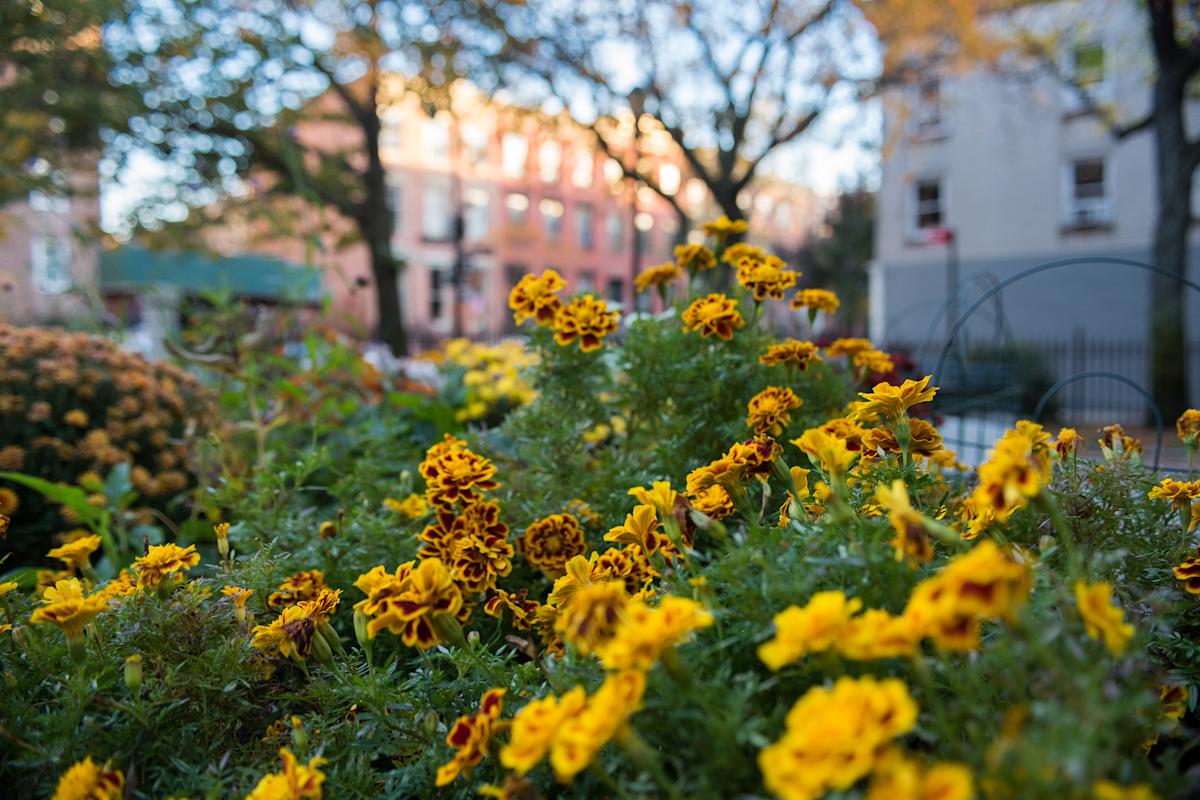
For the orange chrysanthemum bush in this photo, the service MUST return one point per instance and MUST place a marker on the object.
(693, 566)
(73, 407)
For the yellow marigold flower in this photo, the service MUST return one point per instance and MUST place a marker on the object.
(456, 475)
(911, 541)
(660, 495)
(550, 542)
(642, 529)
(791, 351)
(87, 780)
(1067, 443)
(645, 633)
(835, 736)
(66, 605)
(848, 347)
(425, 593)
(897, 778)
(876, 634)
(1188, 427)
(606, 713)
(239, 596)
(535, 727)
(723, 226)
(1174, 699)
(1180, 493)
(1018, 467)
(76, 554)
(382, 588)
(712, 501)
(162, 561)
(517, 603)
(826, 450)
(321, 607)
(767, 278)
(660, 275)
(585, 319)
(591, 616)
(892, 402)
(471, 737)
(536, 297)
(582, 512)
(1109, 790)
(8, 586)
(1115, 444)
(768, 410)
(118, 588)
(295, 782)
(924, 439)
(694, 257)
(514, 787)
(814, 628)
(304, 585)
(714, 315)
(9, 501)
(76, 417)
(292, 632)
(1103, 620)
(736, 252)
(875, 362)
(983, 583)
(821, 300)
(1189, 573)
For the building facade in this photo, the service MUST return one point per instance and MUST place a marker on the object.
(986, 175)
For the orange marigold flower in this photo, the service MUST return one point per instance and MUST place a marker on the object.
(471, 737)
(848, 347)
(714, 315)
(1188, 427)
(76, 553)
(660, 275)
(890, 401)
(473, 543)
(585, 319)
(424, 594)
(163, 560)
(292, 632)
(768, 411)
(87, 780)
(1068, 442)
(550, 542)
(791, 351)
(517, 603)
(536, 297)
(295, 782)
(821, 300)
(591, 615)
(767, 278)
(304, 585)
(694, 257)
(457, 475)
(723, 226)
(66, 605)
(1189, 574)
(736, 252)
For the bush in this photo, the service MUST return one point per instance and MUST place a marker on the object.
(72, 407)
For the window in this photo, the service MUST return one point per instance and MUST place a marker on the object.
(435, 137)
(437, 286)
(517, 205)
(1087, 71)
(395, 197)
(391, 131)
(928, 116)
(552, 213)
(587, 282)
(616, 290)
(669, 178)
(50, 264)
(583, 225)
(549, 161)
(514, 150)
(1087, 203)
(615, 230)
(476, 213)
(436, 222)
(582, 173)
(475, 143)
(928, 202)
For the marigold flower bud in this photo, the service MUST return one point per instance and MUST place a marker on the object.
(299, 734)
(448, 629)
(133, 672)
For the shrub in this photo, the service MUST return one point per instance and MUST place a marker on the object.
(73, 406)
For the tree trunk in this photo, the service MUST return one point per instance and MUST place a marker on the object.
(376, 221)
(1169, 363)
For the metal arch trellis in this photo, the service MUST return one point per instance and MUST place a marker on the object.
(998, 287)
(1158, 418)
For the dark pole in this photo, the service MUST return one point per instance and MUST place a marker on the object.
(458, 273)
(637, 101)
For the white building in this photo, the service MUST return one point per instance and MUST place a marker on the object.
(1021, 175)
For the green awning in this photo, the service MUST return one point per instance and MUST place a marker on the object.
(132, 269)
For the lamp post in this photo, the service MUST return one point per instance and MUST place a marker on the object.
(948, 237)
(637, 104)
